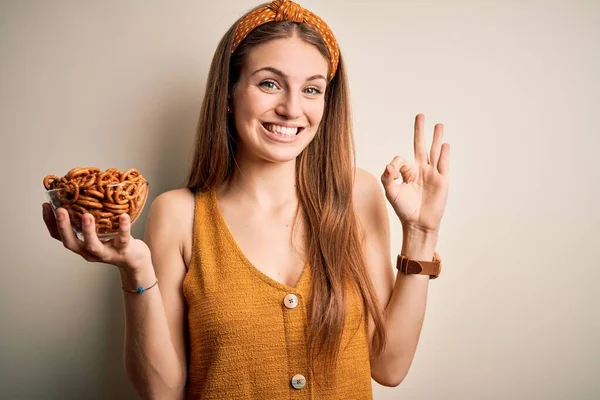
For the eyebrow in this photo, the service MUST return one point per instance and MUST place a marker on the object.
(283, 75)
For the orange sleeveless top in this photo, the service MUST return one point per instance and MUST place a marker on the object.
(247, 332)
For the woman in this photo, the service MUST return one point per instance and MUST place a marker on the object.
(273, 262)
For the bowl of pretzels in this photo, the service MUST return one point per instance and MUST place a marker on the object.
(103, 194)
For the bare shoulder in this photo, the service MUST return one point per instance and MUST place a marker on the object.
(171, 217)
(174, 199)
(368, 194)
(172, 207)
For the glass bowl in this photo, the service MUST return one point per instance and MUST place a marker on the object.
(106, 203)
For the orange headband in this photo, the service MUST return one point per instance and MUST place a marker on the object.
(285, 10)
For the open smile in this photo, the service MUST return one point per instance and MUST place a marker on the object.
(285, 130)
(282, 133)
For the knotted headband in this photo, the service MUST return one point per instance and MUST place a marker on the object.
(285, 10)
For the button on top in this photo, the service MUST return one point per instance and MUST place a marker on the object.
(290, 301)
(298, 381)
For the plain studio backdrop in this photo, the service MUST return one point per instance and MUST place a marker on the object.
(514, 314)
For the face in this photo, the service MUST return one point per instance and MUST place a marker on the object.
(278, 102)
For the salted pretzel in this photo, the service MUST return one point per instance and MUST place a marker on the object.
(104, 194)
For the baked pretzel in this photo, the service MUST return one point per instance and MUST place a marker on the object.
(103, 194)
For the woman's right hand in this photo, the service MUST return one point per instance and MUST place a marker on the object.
(129, 254)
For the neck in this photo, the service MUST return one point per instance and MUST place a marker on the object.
(267, 184)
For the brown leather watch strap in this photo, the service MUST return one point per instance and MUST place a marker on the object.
(412, 267)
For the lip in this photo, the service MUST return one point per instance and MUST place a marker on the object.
(283, 124)
(281, 139)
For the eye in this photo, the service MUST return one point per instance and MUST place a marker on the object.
(270, 85)
(313, 91)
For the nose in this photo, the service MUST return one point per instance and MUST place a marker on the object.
(290, 106)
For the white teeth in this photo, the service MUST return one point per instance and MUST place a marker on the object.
(282, 130)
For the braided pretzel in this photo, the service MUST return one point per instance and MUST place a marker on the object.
(105, 195)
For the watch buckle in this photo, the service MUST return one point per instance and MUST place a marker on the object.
(414, 267)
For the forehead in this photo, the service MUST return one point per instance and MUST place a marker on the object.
(293, 56)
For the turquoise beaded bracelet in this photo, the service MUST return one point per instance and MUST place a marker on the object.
(140, 290)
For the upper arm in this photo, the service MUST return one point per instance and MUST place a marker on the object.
(371, 211)
(164, 235)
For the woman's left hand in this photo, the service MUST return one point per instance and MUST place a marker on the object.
(420, 199)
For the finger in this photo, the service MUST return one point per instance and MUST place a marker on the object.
(419, 141)
(400, 165)
(389, 176)
(436, 145)
(122, 238)
(50, 220)
(444, 163)
(394, 170)
(91, 243)
(65, 230)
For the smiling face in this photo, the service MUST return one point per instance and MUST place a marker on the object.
(279, 99)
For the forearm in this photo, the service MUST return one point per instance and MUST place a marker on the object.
(405, 312)
(151, 361)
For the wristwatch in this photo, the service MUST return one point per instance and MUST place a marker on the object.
(412, 267)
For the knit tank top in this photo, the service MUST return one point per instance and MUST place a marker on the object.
(248, 332)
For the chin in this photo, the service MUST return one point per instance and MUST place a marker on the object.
(280, 156)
